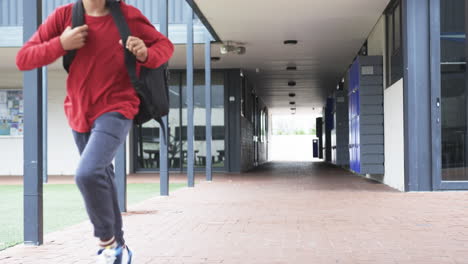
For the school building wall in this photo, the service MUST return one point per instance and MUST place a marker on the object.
(393, 115)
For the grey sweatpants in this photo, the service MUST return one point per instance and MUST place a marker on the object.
(95, 173)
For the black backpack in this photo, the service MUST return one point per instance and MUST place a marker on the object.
(152, 87)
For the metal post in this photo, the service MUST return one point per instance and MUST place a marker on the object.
(163, 156)
(45, 88)
(33, 145)
(209, 175)
(190, 128)
(44, 120)
(121, 177)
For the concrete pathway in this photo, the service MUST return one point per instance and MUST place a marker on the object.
(282, 213)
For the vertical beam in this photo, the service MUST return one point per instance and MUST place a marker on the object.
(121, 177)
(33, 145)
(163, 147)
(45, 175)
(190, 127)
(436, 94)
(44, 109)
(209, 175)
(417, 97)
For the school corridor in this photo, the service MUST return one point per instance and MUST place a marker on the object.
(279, 213)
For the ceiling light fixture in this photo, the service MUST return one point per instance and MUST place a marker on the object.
(292, 83)
(232, 47)
(292, 95)
(290, 42)
(292, 103)
(291, 68)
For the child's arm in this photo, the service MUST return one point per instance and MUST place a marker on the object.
(159, 48)
(50, 42)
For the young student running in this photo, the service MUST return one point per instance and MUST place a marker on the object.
(100, 103)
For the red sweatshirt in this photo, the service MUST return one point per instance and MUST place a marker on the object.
(98, 81)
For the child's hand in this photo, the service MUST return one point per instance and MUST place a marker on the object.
(72, 39)
(137, 47)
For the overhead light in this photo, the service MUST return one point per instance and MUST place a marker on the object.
(225, 49)
(232, 47)
(292, 103)
(292, 95)
(257, 70)
(215, 59)
(291, 68)
(293, 109)
(290, 42)
(240, 50)
(292, 83)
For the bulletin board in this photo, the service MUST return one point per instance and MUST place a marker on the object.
(11, 113)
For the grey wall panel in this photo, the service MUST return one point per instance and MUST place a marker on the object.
(372, 110)
(371, 60)
(372, 149)
(371, 80)
(373, 169)
(247, 145)
(340, 133)
(372, 99)
(370, 90)
(377, 159)
(371, 120)
(373, 129)
(371, 139)
(233, 130)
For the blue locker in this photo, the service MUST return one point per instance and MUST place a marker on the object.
(365, 78)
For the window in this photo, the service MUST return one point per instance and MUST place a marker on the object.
(243, 96)
(11, 112)
(263, 125)
(454, 90)
(147, 138)
(394, 51)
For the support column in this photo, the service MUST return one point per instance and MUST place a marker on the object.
(190, 127)
(33, 131)
(209, 138)
(44, 120)
(163, 148)
(44, 109)
(417, 95)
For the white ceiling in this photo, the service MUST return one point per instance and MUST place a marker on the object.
(330, 33)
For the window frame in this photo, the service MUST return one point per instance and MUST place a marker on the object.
(393, 51)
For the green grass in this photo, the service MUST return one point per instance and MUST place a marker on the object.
(63, 206)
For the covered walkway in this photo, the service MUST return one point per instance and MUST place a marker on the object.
(280, 213)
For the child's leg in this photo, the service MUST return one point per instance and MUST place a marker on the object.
(118, 233)
(93, 176)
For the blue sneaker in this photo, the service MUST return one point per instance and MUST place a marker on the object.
(119, 255)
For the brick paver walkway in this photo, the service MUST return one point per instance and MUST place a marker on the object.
(283, 213)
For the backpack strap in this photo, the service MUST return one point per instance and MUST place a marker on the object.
(78, 17)
(124, 30)
(130, 59)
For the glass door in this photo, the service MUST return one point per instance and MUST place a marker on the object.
(453, 96)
